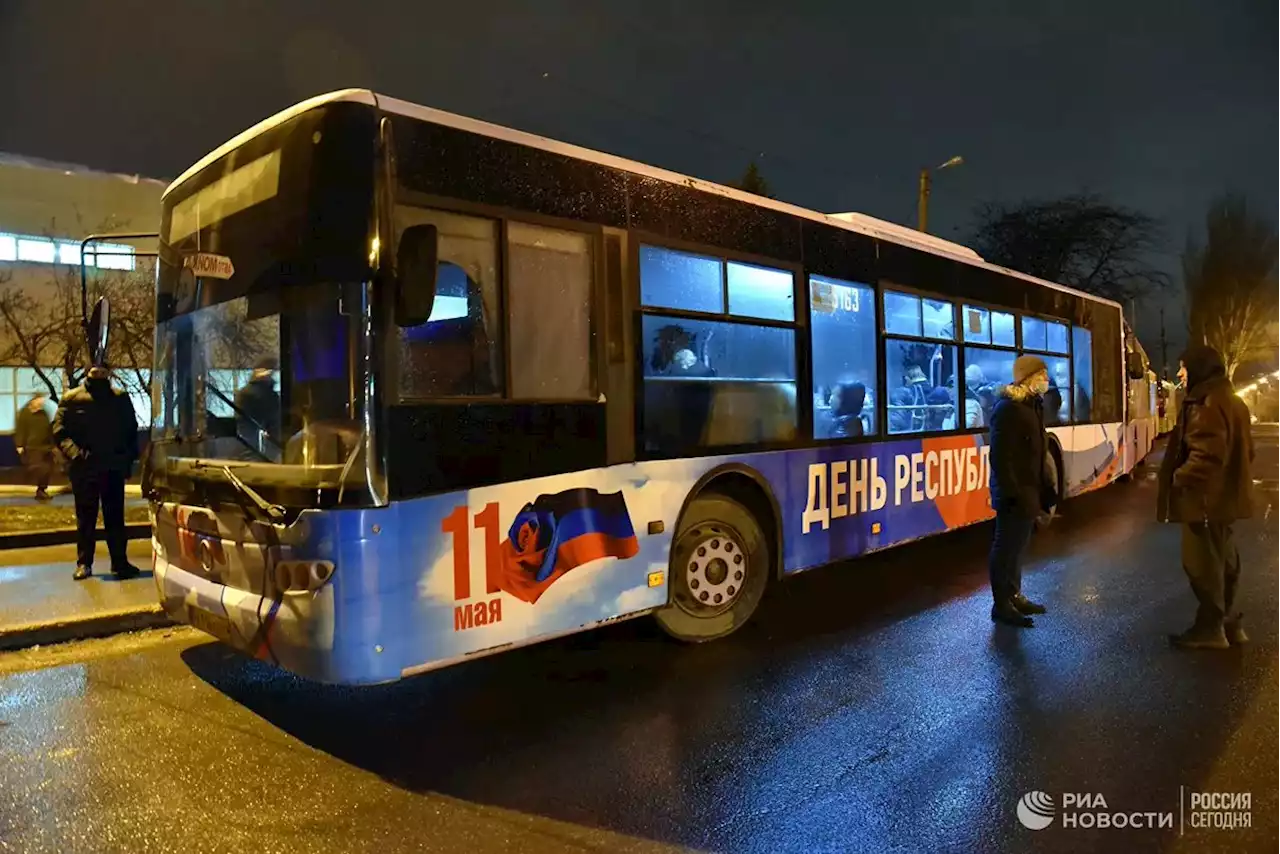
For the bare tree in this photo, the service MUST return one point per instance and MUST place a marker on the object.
(1231, 283)
(40, 332)
(1080, 241)
(41, 325)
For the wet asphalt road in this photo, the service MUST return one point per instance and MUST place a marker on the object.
(871, 707)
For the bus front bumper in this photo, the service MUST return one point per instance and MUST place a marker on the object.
(292, 630)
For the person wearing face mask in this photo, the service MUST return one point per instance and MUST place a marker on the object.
(97, 432)
(1205, 484)
(1019, 486)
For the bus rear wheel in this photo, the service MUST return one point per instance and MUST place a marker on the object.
(720, 566)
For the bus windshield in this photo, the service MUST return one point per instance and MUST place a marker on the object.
(263, 362)
(228, 387)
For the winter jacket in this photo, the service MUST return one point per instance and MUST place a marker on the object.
(911, 414)
(258, 400)
(972, 410)
(1018, 451)
(847, 403)
(1206, 475)
(33, 431)
(96, 428)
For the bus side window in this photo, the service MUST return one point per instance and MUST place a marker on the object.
(549, 289)
(458, 351)
(842, 317)
(709, 383)
(1082, 392)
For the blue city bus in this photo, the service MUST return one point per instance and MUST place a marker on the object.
(427, 389)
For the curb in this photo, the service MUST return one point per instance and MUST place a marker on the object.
(78, 628)
(131, 490)
(66, 536)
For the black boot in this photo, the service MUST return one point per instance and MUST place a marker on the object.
(125, 570)
(1201, 637)
(1026, 606)
(82, 572)
(1007, 613)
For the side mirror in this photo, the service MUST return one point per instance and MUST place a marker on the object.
(416, 266)
(97, 330)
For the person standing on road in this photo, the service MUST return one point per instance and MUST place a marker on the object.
(33, 437)
(97, 432)
(1019, 486)
(1205, 484)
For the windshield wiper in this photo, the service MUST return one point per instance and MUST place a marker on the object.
(275, 513)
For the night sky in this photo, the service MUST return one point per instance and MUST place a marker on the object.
(1158, 105)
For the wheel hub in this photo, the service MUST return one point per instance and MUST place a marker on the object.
(716, 568)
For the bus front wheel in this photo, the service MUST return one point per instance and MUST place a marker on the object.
(720, 566)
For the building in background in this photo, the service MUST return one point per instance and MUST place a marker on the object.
(46, 209)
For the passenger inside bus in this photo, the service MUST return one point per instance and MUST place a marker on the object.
(842, 321)
(974, 382)
(1057, 400)
(986, 370)
(709, 383)
(258, 405)
(1061, 380)
(923, 402)
(677, 413)
(941, 412)
(846, 411)
(1052, 404)
(909, 402)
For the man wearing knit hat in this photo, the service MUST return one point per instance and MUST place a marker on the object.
(1205, 484)
(1019, 486)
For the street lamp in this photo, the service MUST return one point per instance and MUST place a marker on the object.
(922, 205)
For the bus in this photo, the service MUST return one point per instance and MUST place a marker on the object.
(1166, 407)
(1142, 408)
(427, 389)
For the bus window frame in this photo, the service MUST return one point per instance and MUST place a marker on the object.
(1069, 355)
(956, 341)
(503, 216)
(962, 361)
(1018, 314)
(798, 324)
(880, 434)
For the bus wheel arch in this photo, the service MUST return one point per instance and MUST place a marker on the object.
(724, 552)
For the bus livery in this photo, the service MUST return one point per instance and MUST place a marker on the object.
(427, 389)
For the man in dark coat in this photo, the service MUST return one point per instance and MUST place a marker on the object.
(846, 410)
(97, 432)
(259, 401)
(33, 437)
(1020, 486)
(1205, 484)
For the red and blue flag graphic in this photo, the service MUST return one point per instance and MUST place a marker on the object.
(557, 533)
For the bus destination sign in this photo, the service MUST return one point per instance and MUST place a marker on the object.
(207, 265)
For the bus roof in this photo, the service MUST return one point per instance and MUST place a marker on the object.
(855, 222)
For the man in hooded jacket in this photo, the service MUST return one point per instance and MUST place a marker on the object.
(1205, 484)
